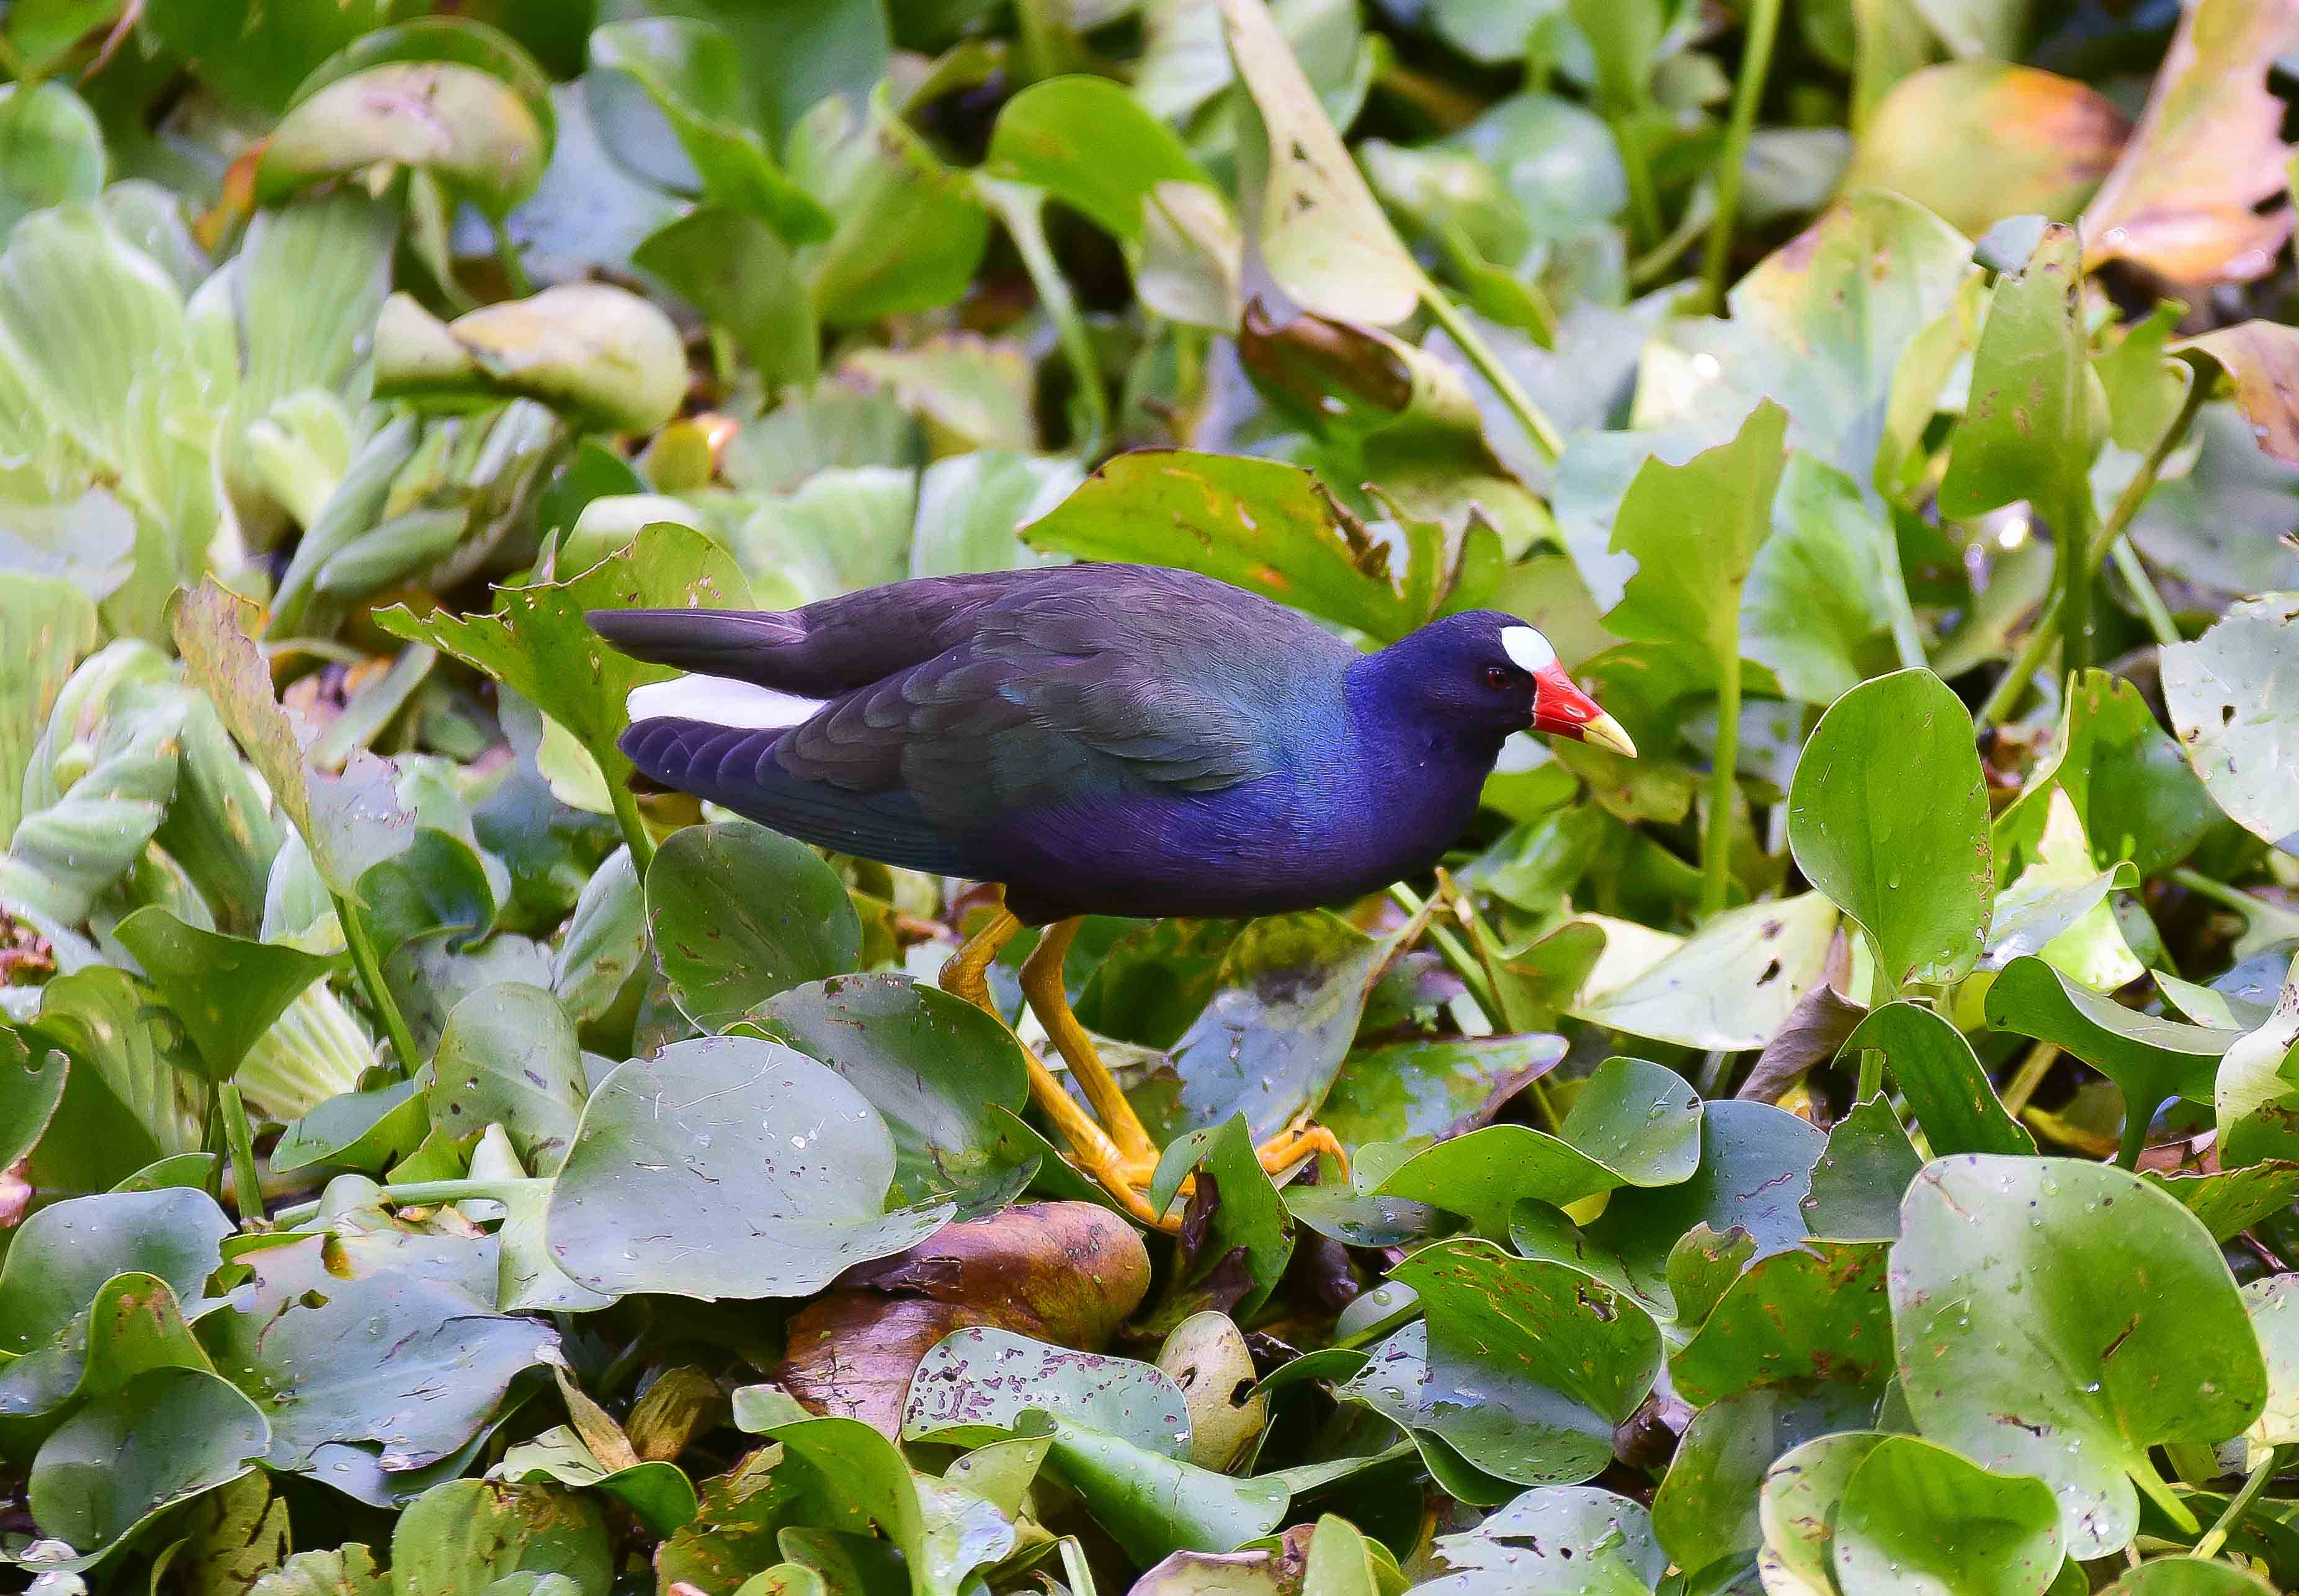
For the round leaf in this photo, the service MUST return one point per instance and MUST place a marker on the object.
(974, 1384)
(1918, 1518)
(741, 913)
(461, 123)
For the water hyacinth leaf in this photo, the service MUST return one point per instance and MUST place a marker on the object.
(2227, 691)
(1813, 611)
(1250, 1231)
(2059, 1317)
(1259, 524)
(1858, 1185)
(689, 68)
(1289, 994)
(600, 353)
(474, 132)
(1316, 226)
(509, 1056)
(1554, 1360)
(226, 990)
(1818, 1315)
(476, 1534)
(1412, 1093)
(1797, 1509)
(65, 854)
(2273, 1304)
(136, 1324)
(392, 1359)
(51, 146)
(944, 1532)
(167, 1435)
(1888, 815)
(2134, 793)
(350, 821)
(1948, 1093)
(2231, 1200)
(606, 940)
(537, 642)
(47, 624)
(935, 1067)
(978, 392)
(2185, 1576)
(728, 1167)
(1093, 146)
(1552, 1542)
(658, 1492)
(356, 1130)
(974, 1386)
(1632, 1124)
(910, 228)
(2185, 201)
(1918, 1515)
(2152, 1061)
(1706, 1507)
(1153, 1505)
(972, 506)
(34, 1084)
(1731, 985)
(739, 913)
(738, 271)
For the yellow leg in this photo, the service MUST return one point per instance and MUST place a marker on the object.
(1042, 984)
(1288, 1147)
(966, 975)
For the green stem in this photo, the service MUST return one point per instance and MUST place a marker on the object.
(1871, 1074)
(2217, 891)
(2127, 508)
(634, 831)
(514, 269)
(2032, 1070)
(370, 966)
(1643, 199)
(1755, 63)
(2143, 1473)
(1538, 427)
(1022, 208)
(1457, 959)
(408, 1194)
(2024, 665)
(2075, 564)
(2135, 1133)
(2151, 607)
(2253, 1483)
(1716, 847)
(246, 1180)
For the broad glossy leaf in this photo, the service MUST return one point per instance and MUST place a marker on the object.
(1316, 226)
(1797, 1509)
(466, 1535)
(1632, 1124)
(2135, 796)
(910, 229)
(1948, 1093)
(2273, 1304)
(1707, 1506)
(1858, 1185)
(34, 1079)
(168, 1434)
(2227, 694)
(2230, 1201)
(356, 1130)
(1888, 815)
(1813, 611)
(68, 851)
(1793, 1317)
(728, 1167)
(2152, 1061)
(1732, 984)
(1259, 524)
(1557, 1541)
(982, 392)
(2059, 1317)
(1919, 1516)
(1249, 1231)
(1152, 1505)
(131, 1095)
(975, 1385)
(1531, 1364)
(600, 353)
(934, 1065)
(944, 1532)
(658, 1492)
(476, 133)
(740, 913)
(226, 990)
(2026, 430)
(2059, 909)
(1289, 994)
(738, 271)
(509, 1056)
(390, 1360)
(350, 821)
(2185, 1576)
(1091, 145)
(537, 642)
(1414, 1092)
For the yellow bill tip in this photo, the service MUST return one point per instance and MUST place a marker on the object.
(1607, 733)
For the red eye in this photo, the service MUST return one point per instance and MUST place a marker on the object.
(1496, 678)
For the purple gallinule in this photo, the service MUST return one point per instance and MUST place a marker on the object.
(1095, 739)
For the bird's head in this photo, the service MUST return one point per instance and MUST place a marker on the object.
(1488, 671)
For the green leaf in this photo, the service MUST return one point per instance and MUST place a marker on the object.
(1152, 1505)
(1632, 1124)
(606, 940)
(129, 1098)
(1948, 1093)
(935, 1067)
(1732, 984)
(2273, 1305)
(1802, 1495)
(974, 1386)
(391, 1362)
(658, 1493)
(1250, 1232)
(509, 1056)
(1531, 1364)
(1793, 1317)
(972, 506)
(738, 271)
(2027, 429)
(1558, 1541)
(689, 70)
(68, 852)
(910, 228)
(1858, 1185)
(51, 148)
(740, 913)
(2226, 694)
(728, 1167)
(2232, 1200)
(1706, 1507)
(465, 1535)
(2060, 1318)
(47, 624)
(2151, 1060)
(1091, 146)
(1918, 1515)
(356, 1130)
(167, 1435)
(35, 1079)
(349, 821)
(226, 990)
(1259, 524)
(537, 642)
(1888, 815)
(1410, 1093)
(1291, 991)
(476, 133)
(600, 353)
(944, 1532)
(1813, 611)
(2135, 796)
(2185, 1576)
(136, 1324)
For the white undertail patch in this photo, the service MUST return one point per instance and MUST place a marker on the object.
(719, 701)
(1528, 648)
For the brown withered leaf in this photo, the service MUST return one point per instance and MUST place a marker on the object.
(1814, 1029)
(1069, 1273)
(2261, 359)
(683, 1404)
(2180, 202)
